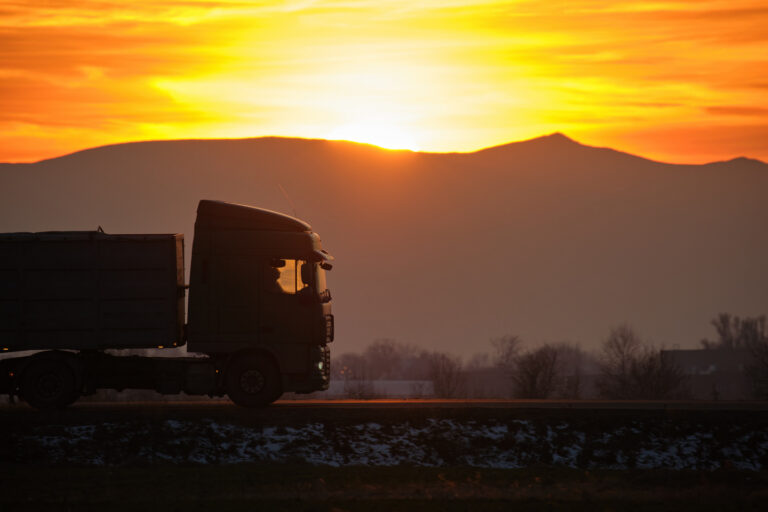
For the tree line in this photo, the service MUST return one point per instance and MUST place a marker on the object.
(626, 367)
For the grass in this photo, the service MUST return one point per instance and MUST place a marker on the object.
(301, 487)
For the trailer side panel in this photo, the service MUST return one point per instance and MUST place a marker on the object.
(90, 290)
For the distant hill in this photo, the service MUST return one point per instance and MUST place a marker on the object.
(545, 238)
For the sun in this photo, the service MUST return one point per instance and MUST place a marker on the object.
(379, 132)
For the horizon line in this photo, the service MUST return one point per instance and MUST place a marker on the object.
(552, 135)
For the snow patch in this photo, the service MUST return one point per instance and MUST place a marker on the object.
(432, 442)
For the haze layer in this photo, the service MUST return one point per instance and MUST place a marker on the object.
(548, 239)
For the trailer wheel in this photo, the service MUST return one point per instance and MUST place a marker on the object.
(253, 381)
(49, 384)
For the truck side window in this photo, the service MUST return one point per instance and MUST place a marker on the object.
(305, 276)
(289, 278)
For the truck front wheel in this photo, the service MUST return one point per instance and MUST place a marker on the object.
(49, 384)
(253, 381)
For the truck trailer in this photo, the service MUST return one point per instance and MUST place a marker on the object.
(259, 310)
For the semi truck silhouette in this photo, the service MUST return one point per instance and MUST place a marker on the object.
(259, 310)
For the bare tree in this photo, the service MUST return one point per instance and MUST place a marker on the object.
(414, 363)
(619, 351)
(479, 360)
(573, 364)
(553, 370)
(506, 349)
(505, 352)
(536, 373)
(447, 375)
(753, 330)
(631, 370)
(757, 372)
(734, 332)
(725, 337)
(749, 334)
(662, 377)
(384, 357)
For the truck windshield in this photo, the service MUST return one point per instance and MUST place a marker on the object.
(292, 277)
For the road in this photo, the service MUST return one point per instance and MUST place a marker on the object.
(287, 412)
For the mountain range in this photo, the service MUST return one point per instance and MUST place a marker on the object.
(548, 239)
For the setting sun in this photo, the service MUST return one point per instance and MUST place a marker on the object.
(681, 81)
(379, 133)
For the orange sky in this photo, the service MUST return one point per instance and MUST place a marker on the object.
(683, 81)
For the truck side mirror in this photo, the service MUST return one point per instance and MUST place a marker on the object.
(326, 266)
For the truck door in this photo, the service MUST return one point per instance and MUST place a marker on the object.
(286, 302)
(236, 298)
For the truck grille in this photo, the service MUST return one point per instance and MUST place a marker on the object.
(326, 364)
(329, 328)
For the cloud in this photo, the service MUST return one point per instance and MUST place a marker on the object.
(737, 111)
(467, 74)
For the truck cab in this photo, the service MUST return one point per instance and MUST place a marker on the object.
(258, 301)
(259, 311)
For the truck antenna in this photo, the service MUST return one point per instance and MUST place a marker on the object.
(285, 195)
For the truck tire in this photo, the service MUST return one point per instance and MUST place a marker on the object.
(253, 381)
(49, 384)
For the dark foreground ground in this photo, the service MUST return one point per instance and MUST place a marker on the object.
(302, 487)
(386, 456)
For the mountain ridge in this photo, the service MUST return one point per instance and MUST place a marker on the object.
(556, 141)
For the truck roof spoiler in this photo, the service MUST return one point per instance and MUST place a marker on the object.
(212, 213)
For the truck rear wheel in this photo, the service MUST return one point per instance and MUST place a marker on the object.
(253, 381)
(49, 384)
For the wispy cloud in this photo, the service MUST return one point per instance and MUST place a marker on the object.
(458, 75)
(738, 111)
